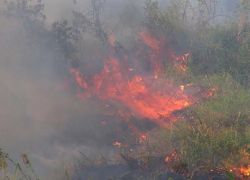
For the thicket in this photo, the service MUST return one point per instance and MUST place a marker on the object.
(214, 133)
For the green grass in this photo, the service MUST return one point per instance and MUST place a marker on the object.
(215, 131)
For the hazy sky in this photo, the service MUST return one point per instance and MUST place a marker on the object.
(59, 9)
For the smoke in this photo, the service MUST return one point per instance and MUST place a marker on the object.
(39, 114)
(28, 90)
(61, 9)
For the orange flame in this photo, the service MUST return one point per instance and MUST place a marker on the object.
(245, 171)
(242, 172)
(156, 53)
(140, 93)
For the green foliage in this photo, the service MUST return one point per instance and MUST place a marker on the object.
(215, 48)
(216, 130)
(214, 133)
(168, 22)
(218, 50)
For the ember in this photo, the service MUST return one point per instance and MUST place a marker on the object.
(117, 144)
(143, 138)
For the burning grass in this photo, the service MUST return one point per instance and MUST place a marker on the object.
(176, 109)
(204, 124)
(145, 94)
(209, 139)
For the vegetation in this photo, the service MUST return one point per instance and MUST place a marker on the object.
(13, 170)
(214, 133)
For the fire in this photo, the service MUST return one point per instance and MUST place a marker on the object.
(245, 171)
(146, 95)
(182, 87)
(159, 51)
(241, 172)
(117, 144)
(171, 157)
(143, 138)
(156, 52)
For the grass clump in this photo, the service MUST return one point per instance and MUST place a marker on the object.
(215, 133)
(13, 170)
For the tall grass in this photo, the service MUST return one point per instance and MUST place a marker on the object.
(14, 170)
